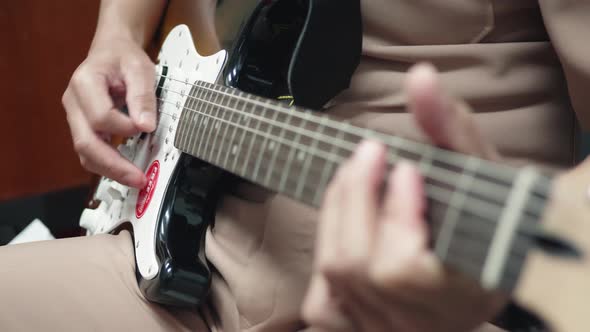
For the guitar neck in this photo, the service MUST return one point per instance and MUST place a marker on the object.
(481, 213)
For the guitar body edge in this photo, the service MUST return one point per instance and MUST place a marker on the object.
(171, 215)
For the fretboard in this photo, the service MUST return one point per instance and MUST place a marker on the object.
(477, 208)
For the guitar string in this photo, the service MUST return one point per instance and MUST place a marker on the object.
(457, 236)
(538, 189)
(434, 192)
(467, 260)
(538, 204)
(296, 111)
(244, 113)
(479, 189)
(494, 169)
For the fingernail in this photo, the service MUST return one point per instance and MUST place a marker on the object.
(402, 175)
(367, 149)
(403, 167)
(135, 180)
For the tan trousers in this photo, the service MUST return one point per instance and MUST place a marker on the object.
(80, 284)
(83, 284)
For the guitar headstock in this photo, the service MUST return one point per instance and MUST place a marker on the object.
(555, 286)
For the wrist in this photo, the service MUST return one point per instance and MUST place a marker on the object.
(113, 33)
(130, 21)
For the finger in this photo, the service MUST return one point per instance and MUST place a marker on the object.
(91, 92)
(139, 76)
(446, 121)
(329, 230)
(361, 201)
(98, 157)
(403, 236)
(404, 198)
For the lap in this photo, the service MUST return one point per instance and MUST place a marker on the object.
(85, 283)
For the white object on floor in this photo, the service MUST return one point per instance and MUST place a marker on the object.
(35, 231)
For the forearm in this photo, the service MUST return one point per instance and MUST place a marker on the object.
(135, 20)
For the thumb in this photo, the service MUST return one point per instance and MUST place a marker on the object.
(321, 309)
(446, 121)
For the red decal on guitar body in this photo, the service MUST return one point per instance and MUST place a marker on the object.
(145, 195)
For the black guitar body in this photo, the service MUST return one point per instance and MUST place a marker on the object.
(303, 51)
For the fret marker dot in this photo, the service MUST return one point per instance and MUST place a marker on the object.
(271, 146)
(300, 155)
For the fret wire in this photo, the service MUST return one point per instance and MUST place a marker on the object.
(328, 169)
(241, 144)
(467, 262)
(452, 216)
(276, 152)
(204, 141)
(283, 180)
(450, 157)
(304, 172)
(193, 117)
(198, 131)
(225, 129)
(263, 150)
(426, 160)
(469, 245)
(159, 127)
(187, 114)
(197, 121)
(509, 221)
(217, 128)
(340, 159)
(227, 125)
(189, 105)
(202, 135)
(247, 161)
(483, 190)
(178, 140)
(230, 150)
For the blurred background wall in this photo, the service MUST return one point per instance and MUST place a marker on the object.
(40, 176)
(42, 44)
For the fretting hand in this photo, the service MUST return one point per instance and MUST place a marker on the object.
(373, 270)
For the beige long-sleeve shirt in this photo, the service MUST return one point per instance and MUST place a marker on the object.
(524, 68)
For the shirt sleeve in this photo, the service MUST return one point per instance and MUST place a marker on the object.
(568, 25)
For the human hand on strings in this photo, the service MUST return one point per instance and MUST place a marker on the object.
(116, 72)
(373, 270)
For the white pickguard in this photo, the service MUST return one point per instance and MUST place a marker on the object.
(118, 202)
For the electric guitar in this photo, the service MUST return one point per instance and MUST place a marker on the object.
(247, 115)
